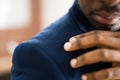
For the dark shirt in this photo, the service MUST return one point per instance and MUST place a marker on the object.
(43, 56)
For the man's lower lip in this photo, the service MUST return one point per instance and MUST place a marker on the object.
(104, 20)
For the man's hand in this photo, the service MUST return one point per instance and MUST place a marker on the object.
(108, 51)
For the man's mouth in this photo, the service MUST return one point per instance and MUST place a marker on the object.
(106, 20)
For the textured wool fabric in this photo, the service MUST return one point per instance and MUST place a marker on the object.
(43, 56)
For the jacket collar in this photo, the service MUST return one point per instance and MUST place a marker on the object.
(80, 18)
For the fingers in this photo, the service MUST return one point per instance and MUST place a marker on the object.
(107, 74)
(116, 64)
(98, 32)
(110, 43)
(85, 42)
(91, 41)
(99, 55)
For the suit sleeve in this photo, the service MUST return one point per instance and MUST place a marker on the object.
(30, 62)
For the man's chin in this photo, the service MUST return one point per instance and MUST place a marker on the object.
(109, 27)
(101, 23)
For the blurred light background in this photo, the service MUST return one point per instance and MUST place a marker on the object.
(22, 19)
(54, 9)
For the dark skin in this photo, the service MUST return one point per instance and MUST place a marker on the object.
(104, 15)
(107, 9)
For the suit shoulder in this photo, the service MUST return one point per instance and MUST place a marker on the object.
(27, 52)
(29, 58)
(62, 30)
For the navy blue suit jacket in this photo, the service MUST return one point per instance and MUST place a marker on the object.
(43, 56)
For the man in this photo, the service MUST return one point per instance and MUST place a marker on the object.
(89, 53)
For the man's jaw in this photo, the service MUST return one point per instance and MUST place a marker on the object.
(105, 23)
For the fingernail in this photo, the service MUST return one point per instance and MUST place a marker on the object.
(73, 39)
(67, 46)
(73, 63)
(84, 77)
